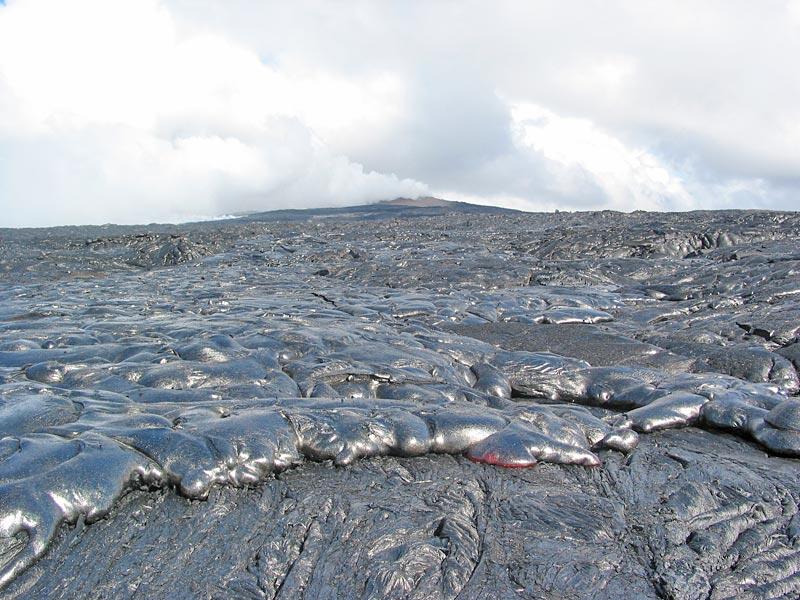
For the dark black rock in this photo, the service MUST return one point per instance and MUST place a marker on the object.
(451, 401)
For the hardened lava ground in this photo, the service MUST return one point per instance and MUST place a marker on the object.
(397, 401)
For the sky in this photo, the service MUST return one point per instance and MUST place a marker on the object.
(167, 110)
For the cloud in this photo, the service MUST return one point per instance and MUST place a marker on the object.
(576, 150)
(110, 114)
(165, 110)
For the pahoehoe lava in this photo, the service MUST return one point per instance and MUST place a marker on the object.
(342, 403)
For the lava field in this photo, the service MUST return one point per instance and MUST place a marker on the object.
(394, 401)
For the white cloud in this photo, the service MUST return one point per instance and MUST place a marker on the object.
(168, 109)
(114, 116)
(628, 178)
(793, 8)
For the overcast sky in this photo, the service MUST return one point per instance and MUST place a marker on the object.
(140, 110)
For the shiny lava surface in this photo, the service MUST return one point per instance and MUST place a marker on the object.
(161, 364)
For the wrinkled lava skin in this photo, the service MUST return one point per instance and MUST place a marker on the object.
(348, 403)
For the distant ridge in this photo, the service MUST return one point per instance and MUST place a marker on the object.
(424, 206)
(419, 202)
(399, 207)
